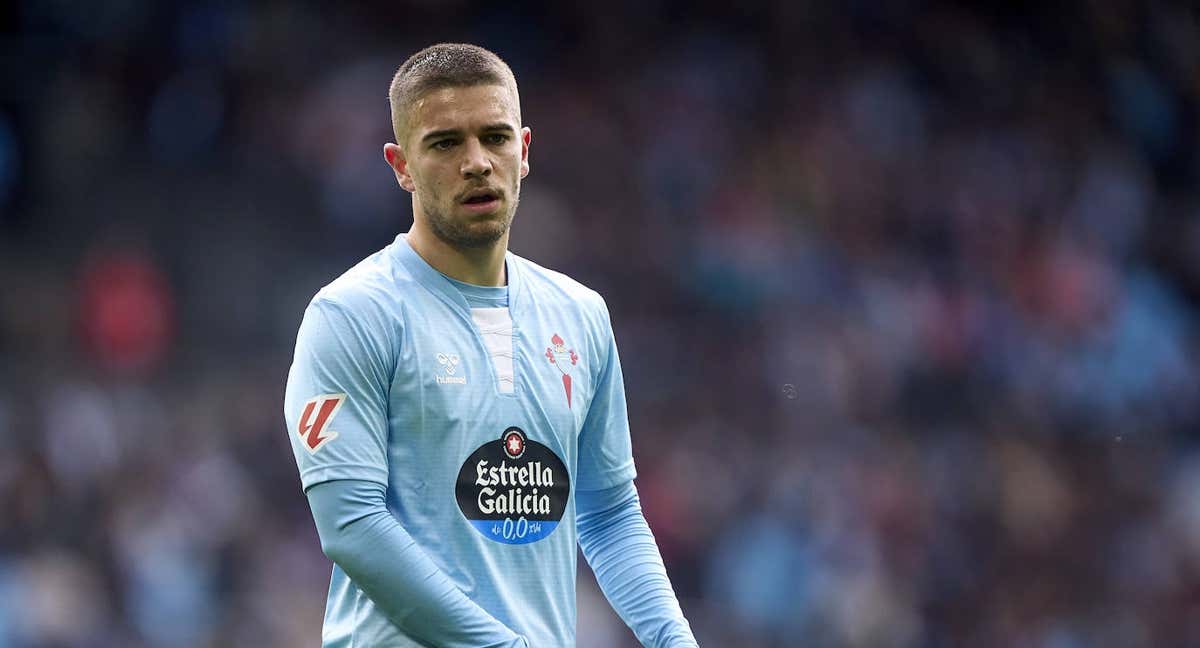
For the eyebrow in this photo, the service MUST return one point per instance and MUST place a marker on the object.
(454, 132)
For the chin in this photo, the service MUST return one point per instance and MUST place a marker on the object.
(470, 231)
(490, 231)
(475, 234)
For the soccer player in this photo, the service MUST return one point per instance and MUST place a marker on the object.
(457, 412)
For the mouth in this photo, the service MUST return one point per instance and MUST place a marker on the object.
(481, 200)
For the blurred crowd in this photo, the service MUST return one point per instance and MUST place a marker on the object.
(906, 295)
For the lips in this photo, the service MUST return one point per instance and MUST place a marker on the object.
(480, 196)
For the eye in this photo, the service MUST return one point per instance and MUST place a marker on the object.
(442, 145)
(496, 138)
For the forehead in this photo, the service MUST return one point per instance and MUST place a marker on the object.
(463, 107)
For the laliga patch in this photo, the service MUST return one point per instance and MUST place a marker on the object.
(318, 413)
(513, 490)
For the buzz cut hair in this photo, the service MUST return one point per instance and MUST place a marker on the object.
(445, 65)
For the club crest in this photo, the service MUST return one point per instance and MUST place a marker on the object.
(564, 359)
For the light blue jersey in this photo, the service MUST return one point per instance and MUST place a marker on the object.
(397, 381)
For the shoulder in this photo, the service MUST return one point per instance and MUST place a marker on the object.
(378, 284)
(552, 286)
(367, 298)
(362, 286)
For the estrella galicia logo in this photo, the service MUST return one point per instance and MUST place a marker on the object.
(513, 489)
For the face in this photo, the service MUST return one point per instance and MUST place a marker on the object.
(463, 159)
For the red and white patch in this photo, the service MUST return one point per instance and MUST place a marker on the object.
(565, 359)
(318, 413)
(514, 444)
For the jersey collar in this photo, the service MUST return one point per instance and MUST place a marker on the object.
(436, 282)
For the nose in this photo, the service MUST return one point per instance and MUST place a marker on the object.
(475, 161)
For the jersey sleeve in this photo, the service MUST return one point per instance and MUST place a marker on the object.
(356, 529)
(336, 403)
(605, 451)
(618, 545)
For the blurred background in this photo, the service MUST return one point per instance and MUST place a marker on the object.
(906, 295)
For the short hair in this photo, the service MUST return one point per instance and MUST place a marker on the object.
(445, 65)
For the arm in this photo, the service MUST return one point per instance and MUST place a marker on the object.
(336, 409)
(369, 544)
(615, 538)
(620, 549)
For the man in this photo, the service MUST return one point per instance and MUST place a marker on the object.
(458, 413)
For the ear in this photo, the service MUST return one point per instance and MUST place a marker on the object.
(525, 136)
(395, 159)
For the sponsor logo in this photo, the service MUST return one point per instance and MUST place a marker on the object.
(513, 490)
(315, 418)
(564, 359)
(449, 362)
(514, 443)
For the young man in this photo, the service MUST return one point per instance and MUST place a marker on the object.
(458, 413)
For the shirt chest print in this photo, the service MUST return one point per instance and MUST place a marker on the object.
(448, 367)
(513, 490)
(565, 360)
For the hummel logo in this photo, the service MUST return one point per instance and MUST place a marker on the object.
(449, 362)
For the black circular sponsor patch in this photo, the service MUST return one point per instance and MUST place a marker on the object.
(513, 490)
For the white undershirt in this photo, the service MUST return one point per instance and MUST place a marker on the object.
(496, 328)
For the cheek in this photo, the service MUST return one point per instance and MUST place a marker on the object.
(430, 182)
(513, 160)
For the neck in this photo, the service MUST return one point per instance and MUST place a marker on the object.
(479, 266)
